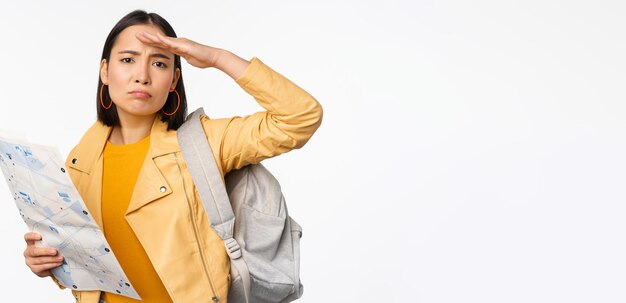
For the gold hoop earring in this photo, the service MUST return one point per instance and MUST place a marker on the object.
(102, 102)
(177, 105)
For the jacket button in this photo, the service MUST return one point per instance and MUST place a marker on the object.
(74, 161)
(163, 189)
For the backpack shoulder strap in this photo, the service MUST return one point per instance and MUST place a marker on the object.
(208, 181)
(205, 174)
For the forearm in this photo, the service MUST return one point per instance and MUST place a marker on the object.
(231, 64)
(284, 101)
(292, 116)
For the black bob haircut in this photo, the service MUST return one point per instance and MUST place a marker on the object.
(109, 117)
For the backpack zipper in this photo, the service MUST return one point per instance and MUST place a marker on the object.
(195, 231)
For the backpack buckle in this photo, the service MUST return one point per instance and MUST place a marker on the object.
(232, 248)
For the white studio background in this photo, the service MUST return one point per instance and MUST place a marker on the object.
(471, 151)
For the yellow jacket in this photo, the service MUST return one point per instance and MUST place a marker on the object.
(165, 211)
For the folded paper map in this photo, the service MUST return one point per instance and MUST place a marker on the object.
(50, 205)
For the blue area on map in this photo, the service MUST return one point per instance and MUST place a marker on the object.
(25, 157)
(65, 197)
(82, 213)
(26, 198)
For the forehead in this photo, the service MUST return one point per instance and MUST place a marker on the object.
(127, 39)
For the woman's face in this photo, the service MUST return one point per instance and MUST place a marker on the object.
(139, 77)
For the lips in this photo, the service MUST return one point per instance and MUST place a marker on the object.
(140, 94)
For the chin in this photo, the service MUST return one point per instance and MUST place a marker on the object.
(138, 111)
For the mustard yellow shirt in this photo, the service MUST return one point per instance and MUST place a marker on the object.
(121, 168)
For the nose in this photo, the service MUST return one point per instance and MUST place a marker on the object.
(142, 75)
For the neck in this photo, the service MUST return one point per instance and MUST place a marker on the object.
(131, 130)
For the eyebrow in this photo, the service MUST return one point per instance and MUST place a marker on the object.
(136, 53)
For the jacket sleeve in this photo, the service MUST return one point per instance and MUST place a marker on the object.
(292, 116)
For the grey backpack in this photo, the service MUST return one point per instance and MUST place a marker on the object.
(249, 213)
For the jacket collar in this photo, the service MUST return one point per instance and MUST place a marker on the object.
(91, 146)
(151, 184)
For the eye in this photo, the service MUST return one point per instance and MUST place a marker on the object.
(160, 64)
(127, 60)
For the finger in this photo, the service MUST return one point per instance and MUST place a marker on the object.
(161, 41)
(44, 260)
(146, 37)
(154, 40)
(31, 237)
(173, 44)
(40, 252)
(165, 39)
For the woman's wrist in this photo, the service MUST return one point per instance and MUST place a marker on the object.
(231, 64)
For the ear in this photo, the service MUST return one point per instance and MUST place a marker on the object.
(104, 71)
(175, 80)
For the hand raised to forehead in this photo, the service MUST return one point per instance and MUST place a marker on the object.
(196, 54)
